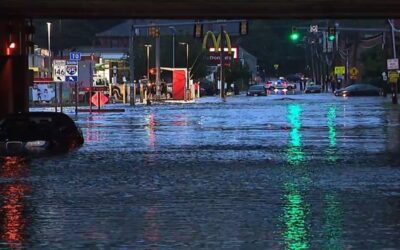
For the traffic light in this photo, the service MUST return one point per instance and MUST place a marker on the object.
(198, 30)
(243, 27)
(11, 45)
(331, 33)
(152, 71)
(294, 36)
(154, 31)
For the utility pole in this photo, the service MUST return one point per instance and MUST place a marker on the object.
(394, 85)
(158, 94)
(172, 28)
(222, 91)
(312, 60)
(132, 68)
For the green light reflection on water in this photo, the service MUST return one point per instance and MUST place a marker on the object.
(333, 223)
(331, 151)
(294, 153)
(296, 232)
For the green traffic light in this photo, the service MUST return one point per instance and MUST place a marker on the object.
(294, 36)
(331, 37)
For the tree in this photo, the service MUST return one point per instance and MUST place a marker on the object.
(237, 73)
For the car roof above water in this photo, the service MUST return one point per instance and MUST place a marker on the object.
(51, 117)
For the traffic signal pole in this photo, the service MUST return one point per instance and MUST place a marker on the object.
(132, 88)
(394, 85)
(158, 94)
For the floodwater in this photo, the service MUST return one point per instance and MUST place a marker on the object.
(278, 172)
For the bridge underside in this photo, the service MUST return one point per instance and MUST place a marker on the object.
(200, 8)
(14, 76)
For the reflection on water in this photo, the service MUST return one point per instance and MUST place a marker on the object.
(92, 131)
(333, 222)
(151, 124)
(294, 153)
(12, 195)
(296, 211)
(296, 231)
(152, 230)
(331, 151)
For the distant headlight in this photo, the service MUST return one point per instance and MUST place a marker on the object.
(35, 144)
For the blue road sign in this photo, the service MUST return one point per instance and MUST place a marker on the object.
(71, 62)
(75, 56)
(71, 78)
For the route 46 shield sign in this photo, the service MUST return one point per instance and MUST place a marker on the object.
(59, 70)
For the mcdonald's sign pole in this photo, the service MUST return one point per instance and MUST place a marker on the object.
(221, 75)
(219, 45)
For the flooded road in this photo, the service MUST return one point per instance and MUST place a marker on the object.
(276, 172)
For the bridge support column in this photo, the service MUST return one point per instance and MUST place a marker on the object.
(14, 74)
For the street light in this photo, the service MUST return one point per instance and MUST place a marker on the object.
(173, 45)
(148, 46)
(48, 43)
(187, 65)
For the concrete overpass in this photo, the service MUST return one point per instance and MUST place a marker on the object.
(15, 27)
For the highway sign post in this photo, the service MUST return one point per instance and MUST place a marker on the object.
(71, 71)
(59, 67)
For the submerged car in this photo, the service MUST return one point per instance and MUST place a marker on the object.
(359, 89)
(313, 89)
(256, 90)
(38, 132)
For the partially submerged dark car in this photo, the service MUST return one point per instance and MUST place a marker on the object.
(359, 89)
(313, 89)
(38, 132)
(257, 90)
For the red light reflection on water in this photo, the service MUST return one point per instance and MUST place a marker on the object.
(152, 230)
(180, 120)
(13, 223)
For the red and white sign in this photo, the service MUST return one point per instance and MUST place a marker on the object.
(215, 56)
(99, 99)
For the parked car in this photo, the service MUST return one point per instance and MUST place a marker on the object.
(38, 132)
(256, 90)
(359, 89)
(313, 89)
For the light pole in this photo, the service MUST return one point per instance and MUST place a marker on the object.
(49, 48)
(173, 45)
(394, 85)
(187, 66)
(148, 46)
